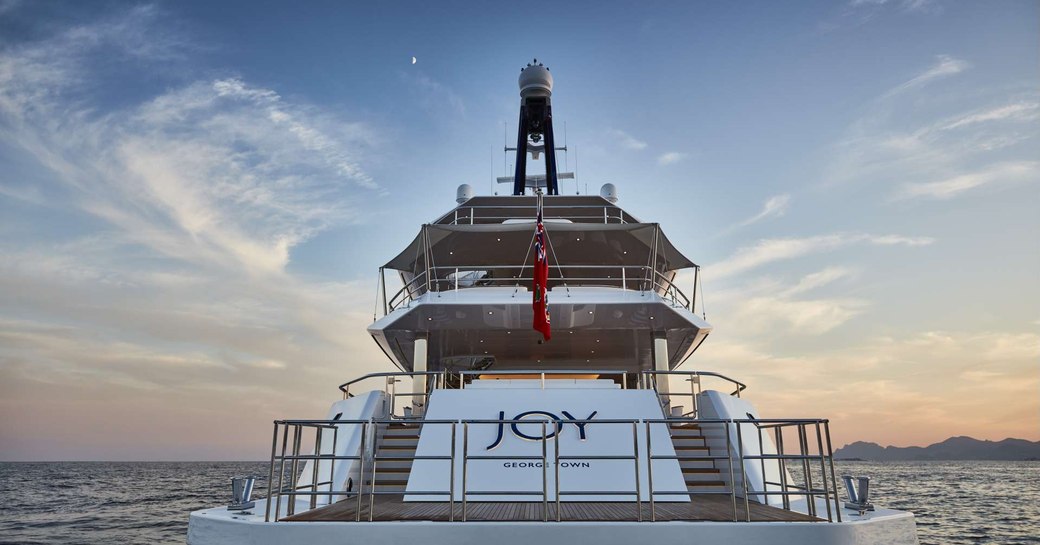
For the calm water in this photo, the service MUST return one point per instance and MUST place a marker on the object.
(955, 502)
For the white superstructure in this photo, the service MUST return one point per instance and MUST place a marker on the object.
(485, 432)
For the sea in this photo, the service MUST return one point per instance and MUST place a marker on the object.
(149, 502)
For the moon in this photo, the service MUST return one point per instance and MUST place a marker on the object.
(413, 60)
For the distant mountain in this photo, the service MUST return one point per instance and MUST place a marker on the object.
(954, 448)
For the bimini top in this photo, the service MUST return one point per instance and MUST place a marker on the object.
(467, 246)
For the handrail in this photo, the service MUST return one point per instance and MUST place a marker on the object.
(345, 387)
(732, 450)
(638, 277)
(610, 212)
(647, 378)
(740, 385)
(542, 373)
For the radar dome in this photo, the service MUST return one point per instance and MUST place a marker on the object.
(535, 80)
(464, 193)
(609, 192)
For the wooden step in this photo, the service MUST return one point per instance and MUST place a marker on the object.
(706, 485)
(402, 469)
(392, 457)
(407, 433)
(688, 470)
(396, 463)
(691, 447)
(403, 435)
(390, 440)
(694, 463)
(388, 487)
(388, 482)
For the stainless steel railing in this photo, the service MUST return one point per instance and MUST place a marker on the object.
(650, 380)
(627, 277)
(813, 478)
(619, 377)
(466, 457)
(436, 380)
(499, 213)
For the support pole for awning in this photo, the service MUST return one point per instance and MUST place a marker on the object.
(419, 356)
(660, 348)
(426, 254)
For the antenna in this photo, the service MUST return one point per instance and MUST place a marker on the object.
(576, 190)
(565, 154)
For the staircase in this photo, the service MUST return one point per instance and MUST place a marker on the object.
(700, 475)
(394, 457)
(399, 441)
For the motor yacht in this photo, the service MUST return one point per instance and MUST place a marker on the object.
(541, 389)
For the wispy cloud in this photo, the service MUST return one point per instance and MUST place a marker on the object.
(1022, 111)
(909, 5)
(944, 66)
(819, 279)
(942, 150)
(172, 222)
(670, 157)
(627, 141)
(770, 308)
(780, 249)
(860, 12)
(212, 169)
(775, 206)
(434, 96)
(1000, 173)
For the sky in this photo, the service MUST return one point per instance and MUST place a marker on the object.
(195, 197)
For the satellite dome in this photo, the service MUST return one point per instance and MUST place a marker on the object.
(609, 192)
(464, 193)
(535, 80)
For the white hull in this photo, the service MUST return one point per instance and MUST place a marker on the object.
(882, 527)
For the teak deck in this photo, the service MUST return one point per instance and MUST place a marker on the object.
(702, 508)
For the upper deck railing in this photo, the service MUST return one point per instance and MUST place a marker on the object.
(476, 214)
(455, 278)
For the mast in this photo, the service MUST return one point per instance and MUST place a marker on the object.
(535, 125)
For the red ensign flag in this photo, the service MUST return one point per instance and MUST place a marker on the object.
(541, 278)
